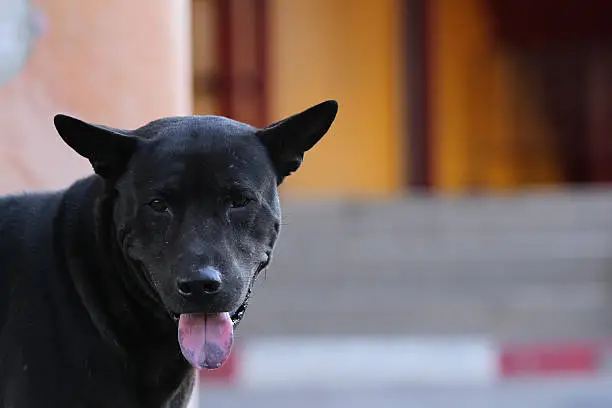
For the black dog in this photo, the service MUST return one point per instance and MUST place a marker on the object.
(166, 240)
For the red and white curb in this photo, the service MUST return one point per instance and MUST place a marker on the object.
(374, 362)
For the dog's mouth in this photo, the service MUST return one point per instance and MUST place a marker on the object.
(235, 316)
(206, 339)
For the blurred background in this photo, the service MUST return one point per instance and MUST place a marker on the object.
(448, 244)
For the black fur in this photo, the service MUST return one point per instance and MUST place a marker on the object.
(88, 298)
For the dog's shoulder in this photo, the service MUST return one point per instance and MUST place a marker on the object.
(29, 237)
(21, 215)
(24, 220)
(36, 209)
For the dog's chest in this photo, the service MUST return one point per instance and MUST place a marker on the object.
(36, 382)
(43, 365)
(164, 376)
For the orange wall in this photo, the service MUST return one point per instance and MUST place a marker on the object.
(345, 50)
(118, 62)
(487, 131)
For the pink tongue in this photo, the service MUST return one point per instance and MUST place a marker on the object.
(206, 339)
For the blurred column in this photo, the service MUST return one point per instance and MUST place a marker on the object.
(243, 60)
(600, 116)
(122, 63)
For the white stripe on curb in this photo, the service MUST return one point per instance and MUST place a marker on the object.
(369, 362)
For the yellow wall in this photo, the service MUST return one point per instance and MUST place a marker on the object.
(486, 127)
(487, 130)
(345, 50)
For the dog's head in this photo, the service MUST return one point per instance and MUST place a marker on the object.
(196, 211)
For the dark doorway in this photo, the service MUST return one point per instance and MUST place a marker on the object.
(567, 47)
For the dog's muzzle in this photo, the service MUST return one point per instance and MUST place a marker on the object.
(206, 339)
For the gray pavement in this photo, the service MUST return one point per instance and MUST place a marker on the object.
(586, 393)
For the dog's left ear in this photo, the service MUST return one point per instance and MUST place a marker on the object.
(107, 149)
(289, 139)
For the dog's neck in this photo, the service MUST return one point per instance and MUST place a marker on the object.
(108, 286)
(137, 331)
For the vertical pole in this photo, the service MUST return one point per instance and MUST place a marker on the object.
(417, 29)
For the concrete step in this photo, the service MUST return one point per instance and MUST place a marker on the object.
(503, 324)
(521, 211)
(338, 271)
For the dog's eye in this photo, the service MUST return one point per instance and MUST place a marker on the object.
(239, 202)
(158, 205)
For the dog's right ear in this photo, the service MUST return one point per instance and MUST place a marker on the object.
(288, 139)
(107, 149)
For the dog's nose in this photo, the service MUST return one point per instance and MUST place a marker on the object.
(207, 282)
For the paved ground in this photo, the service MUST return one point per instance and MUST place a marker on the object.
(595, 393)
